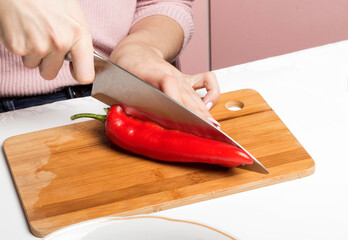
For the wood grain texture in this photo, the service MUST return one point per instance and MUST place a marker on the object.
(73, 173)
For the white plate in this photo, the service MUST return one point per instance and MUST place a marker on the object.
(138, 228)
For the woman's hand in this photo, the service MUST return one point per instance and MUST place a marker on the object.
(145, 62)
(152, 43)
(44, 31)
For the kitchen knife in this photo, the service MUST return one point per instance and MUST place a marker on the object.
(115, 85)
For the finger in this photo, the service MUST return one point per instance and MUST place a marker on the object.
(183, 92)
(169, 85)
(13, 39)
(82, 60)
(208, 81)
(212, 87)
(164, 82)
(32, 60)
(194, 102)
(51, 64)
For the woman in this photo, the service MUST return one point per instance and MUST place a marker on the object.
(141, 36)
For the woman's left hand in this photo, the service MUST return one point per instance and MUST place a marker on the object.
(147, 64)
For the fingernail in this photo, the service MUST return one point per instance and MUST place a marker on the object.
(214, 122)
(209, 105)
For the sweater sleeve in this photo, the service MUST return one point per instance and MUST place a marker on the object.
(180, 11)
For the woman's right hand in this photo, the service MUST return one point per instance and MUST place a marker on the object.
(44, 31)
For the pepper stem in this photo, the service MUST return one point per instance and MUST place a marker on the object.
(89, 115)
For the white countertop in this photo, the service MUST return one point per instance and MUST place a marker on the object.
(309, 92)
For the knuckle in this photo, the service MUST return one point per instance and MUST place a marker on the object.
(80, 28)
(61, 45)
(17, 48)
(59, 42)
(77, 30)
(209, 76)
(41, 49)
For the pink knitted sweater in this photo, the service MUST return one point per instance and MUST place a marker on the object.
(110, 22)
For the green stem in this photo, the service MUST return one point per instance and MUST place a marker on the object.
(89, 115)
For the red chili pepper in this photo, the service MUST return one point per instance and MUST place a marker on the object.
(151, 140)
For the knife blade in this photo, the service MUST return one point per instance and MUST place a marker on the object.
(115, 85)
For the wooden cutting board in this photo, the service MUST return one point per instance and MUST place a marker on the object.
(73, 173)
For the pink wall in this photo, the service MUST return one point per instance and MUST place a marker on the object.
(248, 30)
(194, 58)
